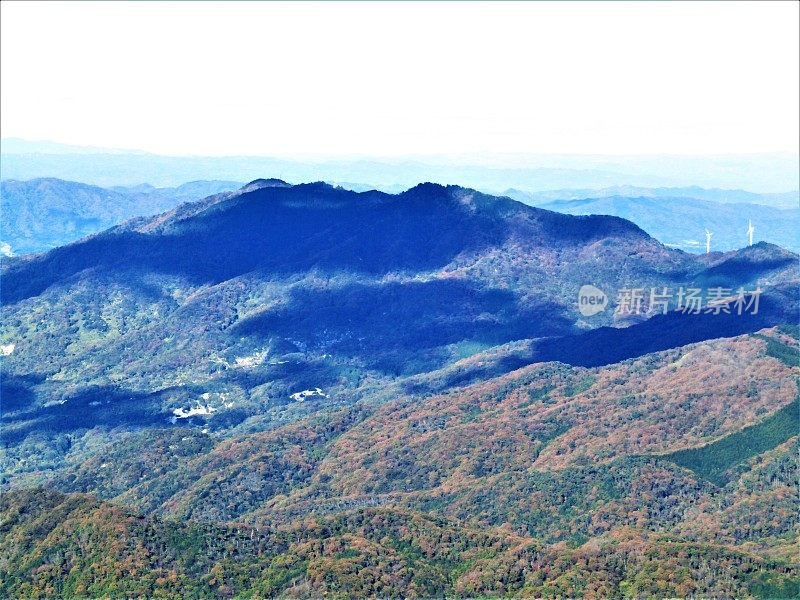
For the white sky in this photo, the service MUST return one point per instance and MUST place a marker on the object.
(388, 79)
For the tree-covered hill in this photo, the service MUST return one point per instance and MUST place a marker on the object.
(41, 214)
(572, 464)
(233, 311)
(74, 546)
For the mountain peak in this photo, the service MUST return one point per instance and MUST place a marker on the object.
(258, 184)
(429, 190)
(428, 186)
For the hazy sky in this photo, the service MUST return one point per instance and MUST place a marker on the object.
(388, 79)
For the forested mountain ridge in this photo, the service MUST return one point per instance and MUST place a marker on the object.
(573, 464)
(365, 394)
(73, 546)
(255, 307)
(549, 425)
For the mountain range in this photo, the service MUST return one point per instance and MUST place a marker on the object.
(682, 222)
(767, 173)
(41, 214)
(301, 390)
(721, 196)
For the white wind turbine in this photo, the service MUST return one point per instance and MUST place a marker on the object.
(708, 241)
(750, 230)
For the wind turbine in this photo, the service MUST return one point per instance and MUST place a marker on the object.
(750, 230)
(708, 241)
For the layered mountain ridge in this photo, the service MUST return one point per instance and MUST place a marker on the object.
(300, 390)
(44, 213)
(255, 293)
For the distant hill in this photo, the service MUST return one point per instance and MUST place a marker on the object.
(776, 172)
(41, 214)
(681, 222)
(186, 192)
(724, 196)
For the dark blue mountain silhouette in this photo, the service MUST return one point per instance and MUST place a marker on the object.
(278, 229)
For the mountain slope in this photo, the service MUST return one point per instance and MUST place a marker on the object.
(547, 481)
(40, 214)
(253, 308)
(70, 546)
(553, 430)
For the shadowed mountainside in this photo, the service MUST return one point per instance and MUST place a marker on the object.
(222, 310)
